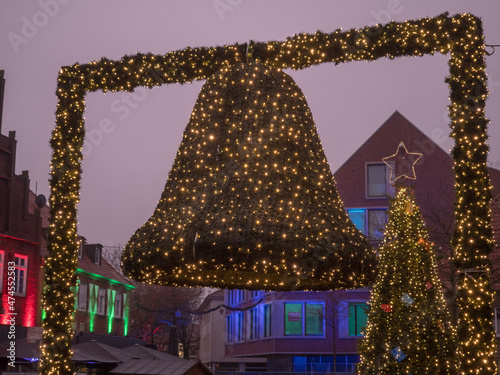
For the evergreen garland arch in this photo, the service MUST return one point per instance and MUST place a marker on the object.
(460, 36)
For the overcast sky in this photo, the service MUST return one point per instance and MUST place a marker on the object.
(125, 170)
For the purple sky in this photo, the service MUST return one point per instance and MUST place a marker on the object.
(125, 169)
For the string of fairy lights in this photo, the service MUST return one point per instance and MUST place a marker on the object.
(460, 36)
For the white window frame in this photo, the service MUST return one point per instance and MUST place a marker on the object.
(389, 189)
(82, 296)
(118, 305)
(20, 289)
(101, 301)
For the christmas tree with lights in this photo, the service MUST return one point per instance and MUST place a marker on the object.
(409, 330)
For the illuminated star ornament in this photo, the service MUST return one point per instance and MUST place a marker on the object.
(403, 163)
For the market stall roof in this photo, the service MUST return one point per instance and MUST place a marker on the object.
(23, 348)
(168, 366)
(96, 352)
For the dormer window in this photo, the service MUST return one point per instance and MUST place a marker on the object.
(80, 249)
(98, 256)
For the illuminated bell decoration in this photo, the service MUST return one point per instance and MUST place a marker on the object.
(250, 201)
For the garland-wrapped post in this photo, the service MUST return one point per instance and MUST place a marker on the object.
(460, 35)
(473, 237)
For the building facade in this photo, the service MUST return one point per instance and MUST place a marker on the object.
(23, 216)
(295, 331)
(102, 303)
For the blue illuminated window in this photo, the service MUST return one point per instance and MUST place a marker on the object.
(358, 218)
(370, 222)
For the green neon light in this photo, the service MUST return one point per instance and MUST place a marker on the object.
(125, 314)
(112, 311)
(125, 325)
(92, 306)
(91, 322)
(111, 281)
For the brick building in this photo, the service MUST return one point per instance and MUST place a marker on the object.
(22, 244)
(103, 294)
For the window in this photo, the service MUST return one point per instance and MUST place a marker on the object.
(118, 306)
(358, 317)
(377, 178)
(267, 320)
(314, 318)
(80, 249)
(255, 294)
(111, 302)
(347, 363)
(82, 297)
(358, 218)
(370, 222)
(311, 325)
(293, 318)
(230, 297)
(240, 324)
(377, 219)
(20, 273)
(97, 256)
(253, 323)
(229, 329)
(101, 301)
(310, 364)
(2, 262)
(93, 291)
(238, 296)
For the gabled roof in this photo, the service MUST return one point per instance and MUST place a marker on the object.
(434, 170)
(103, 271)
(395, 129)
